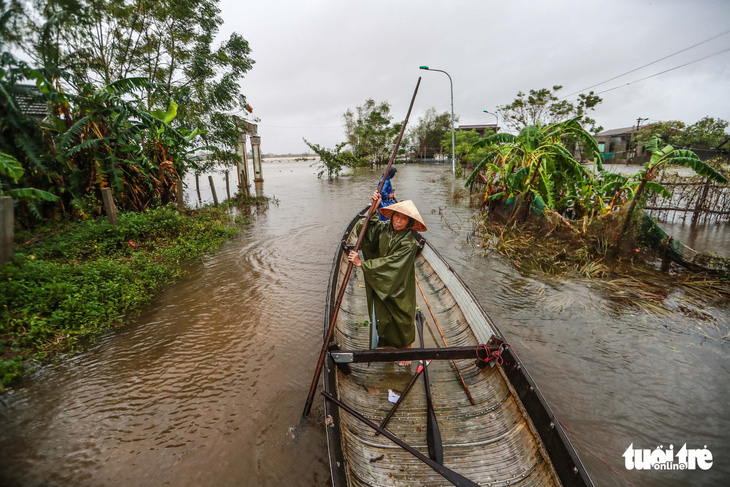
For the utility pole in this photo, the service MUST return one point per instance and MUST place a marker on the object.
(633, 139)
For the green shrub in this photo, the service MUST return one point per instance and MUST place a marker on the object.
(70, 282)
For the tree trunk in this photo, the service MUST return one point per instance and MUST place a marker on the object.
(528, 193)
(632, 207)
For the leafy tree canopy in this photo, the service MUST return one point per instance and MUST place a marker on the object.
(544, 107)
(169, 42)
(332, 161)
(670, 129)
(707, 133)
(429, 131)
(370, 132)
(467, 149)
(132, 88)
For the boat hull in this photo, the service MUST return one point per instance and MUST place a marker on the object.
(508, 436)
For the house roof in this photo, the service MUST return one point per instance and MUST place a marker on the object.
(477, 127)
(622, 131)
(29, 104)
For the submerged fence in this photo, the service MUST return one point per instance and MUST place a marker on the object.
(699, 199)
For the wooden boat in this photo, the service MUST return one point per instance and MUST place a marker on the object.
(509, 436)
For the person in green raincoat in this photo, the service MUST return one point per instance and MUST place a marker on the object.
(389, 250)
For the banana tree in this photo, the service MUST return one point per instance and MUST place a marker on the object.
(11, 172)
(113, 142)
(621, 188)
(661, 156)
(536, 162)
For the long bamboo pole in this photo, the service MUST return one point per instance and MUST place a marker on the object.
(343, 286)
(463, 383)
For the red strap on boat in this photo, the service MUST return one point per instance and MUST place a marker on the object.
(496, 355)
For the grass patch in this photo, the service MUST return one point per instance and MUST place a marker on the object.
(67, 282)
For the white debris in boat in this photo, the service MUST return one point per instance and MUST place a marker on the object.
(329, 421)
(392, 396)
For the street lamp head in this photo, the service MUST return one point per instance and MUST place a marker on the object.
(423, 67)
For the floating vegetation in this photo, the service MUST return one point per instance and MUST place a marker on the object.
(634, 283)
(250, 200)
(459, 194)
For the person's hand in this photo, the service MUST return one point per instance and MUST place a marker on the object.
(391, 196)
(375, 198)
(354, 258)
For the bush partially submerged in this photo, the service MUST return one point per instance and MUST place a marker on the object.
(65, 284)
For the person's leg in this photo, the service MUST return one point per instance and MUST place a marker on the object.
(405, 363)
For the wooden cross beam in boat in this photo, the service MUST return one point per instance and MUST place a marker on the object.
(397, 355)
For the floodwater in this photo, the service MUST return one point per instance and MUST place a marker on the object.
(206, 386)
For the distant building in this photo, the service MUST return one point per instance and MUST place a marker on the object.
(616, 144)
(479, 128)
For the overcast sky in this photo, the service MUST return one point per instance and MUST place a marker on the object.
(316, 59)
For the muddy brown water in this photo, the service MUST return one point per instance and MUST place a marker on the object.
(206, 386)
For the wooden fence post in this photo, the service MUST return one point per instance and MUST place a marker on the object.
(197, 186)
(180, 199)
(7, 228)
(109, 207)
(701, 203)
(228, 187)
(212, 189)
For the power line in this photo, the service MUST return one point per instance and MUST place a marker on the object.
(649, 64)
(662, 72)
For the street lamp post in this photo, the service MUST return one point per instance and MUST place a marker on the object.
(493, 113)
(453, 136)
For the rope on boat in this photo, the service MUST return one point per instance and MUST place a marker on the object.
(495, 355)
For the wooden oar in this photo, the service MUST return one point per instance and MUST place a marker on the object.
(466, 388)
(433, 434)
(445, 472)
(343, 286)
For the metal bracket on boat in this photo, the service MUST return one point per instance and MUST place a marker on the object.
(342, 358)
(342, 365)
(347, 248)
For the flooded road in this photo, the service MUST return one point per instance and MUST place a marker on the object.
(207, 385)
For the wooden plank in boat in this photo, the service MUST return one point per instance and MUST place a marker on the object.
(397, 355)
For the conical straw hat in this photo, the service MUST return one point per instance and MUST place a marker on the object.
(408, 209)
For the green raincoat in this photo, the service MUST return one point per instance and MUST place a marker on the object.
(390, 281)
